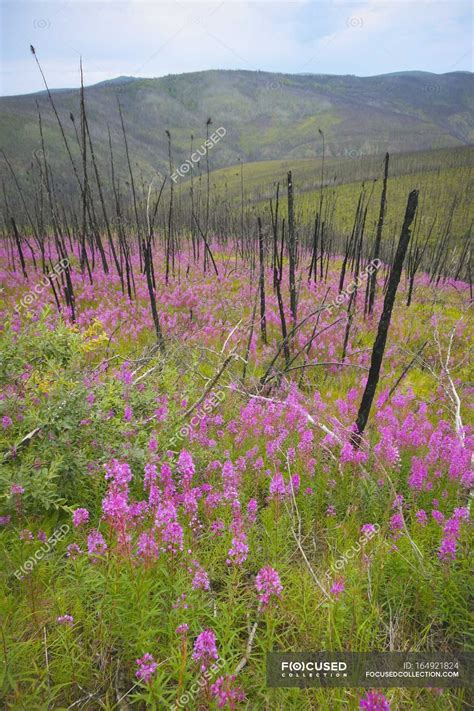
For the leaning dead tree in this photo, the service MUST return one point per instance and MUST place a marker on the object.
(384, 323)
(378, 237)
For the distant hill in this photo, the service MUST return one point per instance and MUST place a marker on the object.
(266, 116)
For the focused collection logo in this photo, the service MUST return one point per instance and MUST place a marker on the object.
(313, 668)
(369, 669)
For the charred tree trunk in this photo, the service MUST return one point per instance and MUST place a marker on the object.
(291, 248)
(378, 237)
(384, 323)
(263, 319)
(18, 245)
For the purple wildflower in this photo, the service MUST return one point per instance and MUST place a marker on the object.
(368, 529)
(147, 547)
(268, 583)
(73, 551)
(96, 544)
(205, 648)
(421, 517)
(146, 668)
(447, 549)
(338, 588)
(25, 535)
(277, 487)
(80, 516)
(200, 580)
(374, 701)
(224, 694)
(396, 522)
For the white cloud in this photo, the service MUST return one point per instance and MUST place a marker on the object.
(144, 38)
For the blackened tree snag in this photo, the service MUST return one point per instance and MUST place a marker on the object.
(378, 237)
(291, 248)
(20, 251)
(263, 319)
(169, 242)
(384, 323)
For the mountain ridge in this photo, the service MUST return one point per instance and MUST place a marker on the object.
(125, 78)
(266, 115)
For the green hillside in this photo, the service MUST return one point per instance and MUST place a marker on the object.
(266, 117)
(444, 177)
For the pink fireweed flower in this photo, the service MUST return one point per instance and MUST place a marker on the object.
(80, 516)
(267, 583)
(190, 500)
(338, 588)
(368, 529)
(185, 465)
(66, 620)
(146, 668)
(128, 413)
(252, 507)
(239, 550)
(5, 520)
(181, 603)
(165, 513)
(182, 629)
(213, 499)
(150, 475)
(73, 551)
(396, 522)
(119, 472)
(374, 701)
(173, 536)
(205, 648)
(350, 455)
(25, 535)
(17, 489)
(137, 511)
(419, 473)
(166, 479)
(225, 694)
(115, 506)
(217, 527)
(231, 478)
(126, 375)
(6, 422)
(41, 536)
(147, 547)
(461, 513)
(200, 580)
(294, 484)
(421, 517)
(277, 488)
(452, 527)
(96, 545)
(397, 502)
(451, 533)
(447, 549)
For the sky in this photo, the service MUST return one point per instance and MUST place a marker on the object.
(152, 39)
